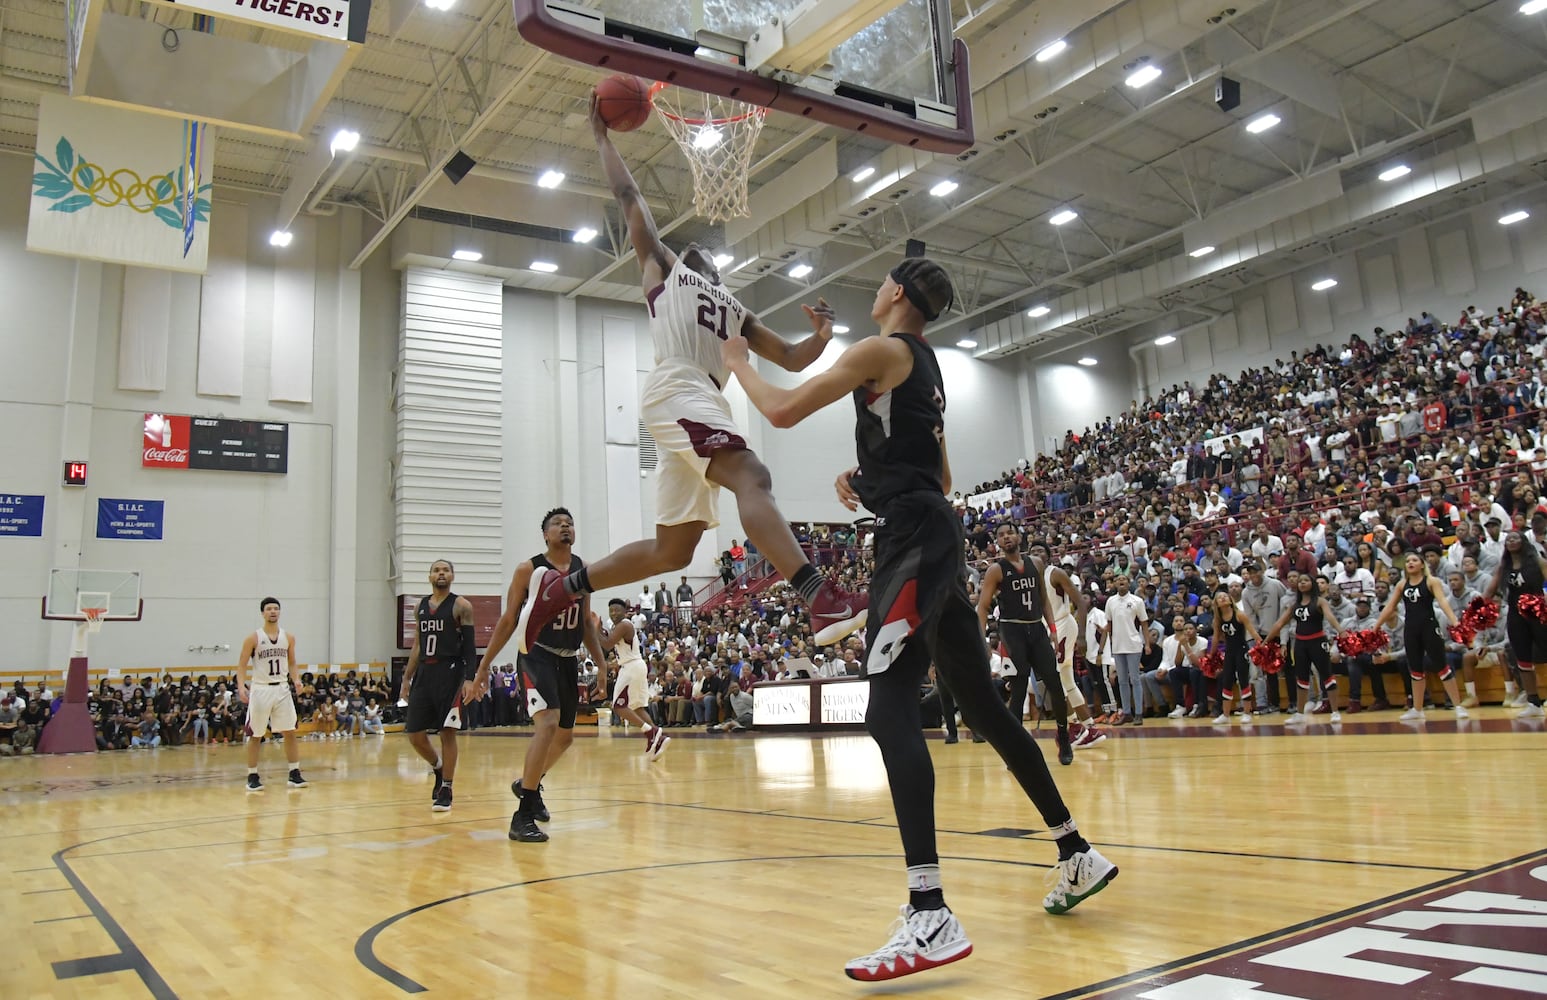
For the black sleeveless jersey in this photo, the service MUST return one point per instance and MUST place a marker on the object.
(1308, 620)
(1020, 592)
(440, 637)
(1234, 634)
(567, 631)
(1418, 605)
(898, 433)
(1525, 576)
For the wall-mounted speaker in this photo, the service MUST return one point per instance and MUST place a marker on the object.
(1227, 94)
(457, 167)
(914, 248)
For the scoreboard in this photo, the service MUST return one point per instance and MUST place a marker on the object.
(238, 445)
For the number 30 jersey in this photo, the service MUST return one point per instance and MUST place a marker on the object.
(566, 633)
(689, 316)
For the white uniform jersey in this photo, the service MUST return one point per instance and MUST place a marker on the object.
(1062, 609)
(270, 658)
(689, 316)
(628, 651)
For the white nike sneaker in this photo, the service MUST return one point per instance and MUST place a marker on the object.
(1246, 718)
(1221, 719)
(1337, 716)
(1531, 712)
(1297, 719)
(1079, 878)
(1462, 714)
(1411, 715)
(1177, 712)
(921, 939)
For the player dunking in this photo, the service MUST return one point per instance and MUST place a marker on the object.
(550, 669)
(922, 610)
(445, 653)
(632, 691)
(271, 652)
(1023, 611)
(684, 406)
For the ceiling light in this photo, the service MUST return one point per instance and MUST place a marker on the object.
(1064, 217)
(800, 270)
(584, 234)
(1051, 51)
(1533, 6)
(344, 141)
(708, 137)
(439, 4)
(1088, 362)
(1262, 123)
(1324, 284)
(840, 328)
(545, 266)
(943, 188)
(863, 174)
(1143, 76)
(721, 259)
(1037, 312)
(550, 179)
(472, 256)
(280, 238)
(1163, 341)
(1200, 252)
(1513, 217)
(1393, 173)
(966, 345)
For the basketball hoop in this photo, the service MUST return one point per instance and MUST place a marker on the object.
(93, 618)
(717, 135)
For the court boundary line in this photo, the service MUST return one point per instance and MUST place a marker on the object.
(129, 958)
(365, 944)
(1247, 944)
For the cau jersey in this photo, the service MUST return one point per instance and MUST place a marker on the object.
(898, 433)
(566, 633)
(1020, 592)
(440, 638)
(689, 316)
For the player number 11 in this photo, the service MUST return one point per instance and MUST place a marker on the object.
(706, 315)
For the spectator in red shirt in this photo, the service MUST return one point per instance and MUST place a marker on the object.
(1295, 558)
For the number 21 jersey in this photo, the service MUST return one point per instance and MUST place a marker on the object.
(689, 316)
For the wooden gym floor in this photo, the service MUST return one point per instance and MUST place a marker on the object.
(749, 866)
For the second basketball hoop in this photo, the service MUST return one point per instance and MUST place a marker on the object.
(717, 135)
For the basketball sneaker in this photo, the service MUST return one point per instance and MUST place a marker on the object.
(295, 780)
(836, 613)
(658, 742)
(921, 939)
(442, 800)
(545, 599)
(440, 779)
(1530, 712)
(254, 783)
(1080, 877)
(539, 808)
(1065, 746)
(1089, 737)
(524, 828)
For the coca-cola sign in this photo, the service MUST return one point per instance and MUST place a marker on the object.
(165, 444)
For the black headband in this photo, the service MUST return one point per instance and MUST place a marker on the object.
(914, 295)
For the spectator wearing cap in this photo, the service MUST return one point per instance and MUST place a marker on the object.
(1352, 579)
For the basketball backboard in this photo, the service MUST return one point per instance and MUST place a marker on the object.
(71, 591)
(885, 68)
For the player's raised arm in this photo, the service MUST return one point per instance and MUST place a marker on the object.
(506, 626)
(877, 362)
(791, 357)
(654, 259)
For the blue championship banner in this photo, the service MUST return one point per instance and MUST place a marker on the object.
(21, 515)
(139, 520)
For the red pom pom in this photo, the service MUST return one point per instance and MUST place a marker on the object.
(1350, 643)
(1480, 615)
(1534, 606)
(1269, 656)
(1461, 634)
(1377, 641)
(1212, 663)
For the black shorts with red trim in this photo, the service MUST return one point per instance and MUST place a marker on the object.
(918, 547)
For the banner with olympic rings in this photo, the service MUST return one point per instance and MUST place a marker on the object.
(108, 184)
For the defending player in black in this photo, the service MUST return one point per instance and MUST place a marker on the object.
(919, 605)
(438, 680)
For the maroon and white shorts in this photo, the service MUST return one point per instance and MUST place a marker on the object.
(690, 421)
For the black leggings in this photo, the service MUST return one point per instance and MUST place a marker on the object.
(1527, 638)
(1425, 652)
(1031, 650)
(1313, 653)
(1236, 672)
(956, 646)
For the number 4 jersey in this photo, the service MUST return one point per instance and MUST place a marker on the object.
(689, 316)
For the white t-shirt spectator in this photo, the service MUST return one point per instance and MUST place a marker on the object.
(1270, 547)
(1359, 582)
(1095, 622)
(1171, 648)
(1126, 614)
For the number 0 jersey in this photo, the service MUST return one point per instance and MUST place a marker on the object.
(689, 316)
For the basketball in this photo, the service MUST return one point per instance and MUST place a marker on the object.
(623, 101)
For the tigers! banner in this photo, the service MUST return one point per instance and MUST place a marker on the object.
(108, 185)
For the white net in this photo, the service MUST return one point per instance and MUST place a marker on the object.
(94, 619)
(717, 135)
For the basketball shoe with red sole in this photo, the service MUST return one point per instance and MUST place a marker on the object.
(837, 614)
(546, 599)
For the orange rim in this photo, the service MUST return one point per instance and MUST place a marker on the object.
(660, 85)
